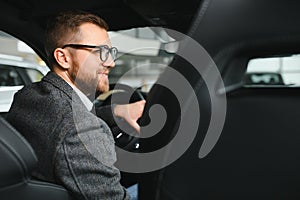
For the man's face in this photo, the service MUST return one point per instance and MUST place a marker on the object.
(103, 85)
(88, 71)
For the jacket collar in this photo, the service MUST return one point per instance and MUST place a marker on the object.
(65, 87)
(59, 83)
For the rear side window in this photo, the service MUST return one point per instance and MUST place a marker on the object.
(19, 66)
(34, 75)
(273, 71)
(9, 76)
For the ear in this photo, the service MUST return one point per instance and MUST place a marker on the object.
(62, 57)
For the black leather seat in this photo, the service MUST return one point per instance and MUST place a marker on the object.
(257, 154)
(17, 160)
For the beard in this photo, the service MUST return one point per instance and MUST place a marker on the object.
(86, 82)
(103, 86)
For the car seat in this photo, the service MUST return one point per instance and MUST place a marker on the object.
(17, 161)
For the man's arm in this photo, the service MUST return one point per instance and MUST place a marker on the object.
(84, 164)
(106, 113)
(129, 112)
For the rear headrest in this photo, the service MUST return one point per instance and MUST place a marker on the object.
(16, 156)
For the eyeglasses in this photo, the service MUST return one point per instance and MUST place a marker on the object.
(103, 49)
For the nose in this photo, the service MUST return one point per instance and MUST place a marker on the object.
(110, 63)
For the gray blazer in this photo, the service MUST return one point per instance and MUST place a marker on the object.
(74, 147)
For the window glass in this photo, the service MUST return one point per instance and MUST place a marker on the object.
(141, 59)
(34, 75)
(19, 66)
(9, 76)
(280, 71)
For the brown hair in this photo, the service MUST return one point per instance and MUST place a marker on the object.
(63, 26)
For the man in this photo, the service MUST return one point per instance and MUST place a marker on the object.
(75, 148)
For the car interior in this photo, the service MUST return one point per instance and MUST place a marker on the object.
(256, 154)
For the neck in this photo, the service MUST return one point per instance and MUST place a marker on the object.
(65, 76)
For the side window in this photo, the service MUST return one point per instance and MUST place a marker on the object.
(34, 75)
(9, 76)
(19, 66)
(274, 71)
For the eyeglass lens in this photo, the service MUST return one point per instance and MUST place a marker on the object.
(105, 51)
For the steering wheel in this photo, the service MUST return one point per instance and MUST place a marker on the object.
(123, 133)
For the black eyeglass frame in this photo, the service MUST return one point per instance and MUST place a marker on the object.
(113, 50)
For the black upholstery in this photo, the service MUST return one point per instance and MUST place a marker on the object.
(17, 160)
(257, 154)
(256, 157)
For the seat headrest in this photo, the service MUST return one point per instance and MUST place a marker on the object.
(16, 155)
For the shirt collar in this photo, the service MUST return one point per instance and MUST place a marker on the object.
(85, 100)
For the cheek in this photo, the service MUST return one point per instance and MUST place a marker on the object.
(90, 67)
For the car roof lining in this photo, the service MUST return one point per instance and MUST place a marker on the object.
(215, 18)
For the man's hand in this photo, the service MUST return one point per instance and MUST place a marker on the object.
(131, 113)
